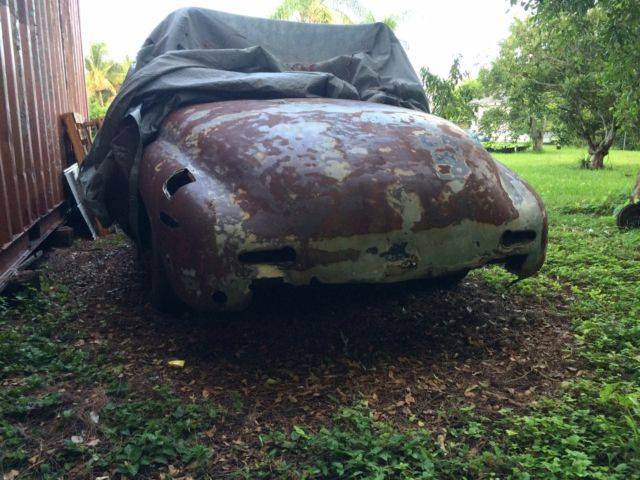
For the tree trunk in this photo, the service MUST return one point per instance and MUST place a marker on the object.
(601, 150)
(536, 133)
(597, 159)
(538, 143)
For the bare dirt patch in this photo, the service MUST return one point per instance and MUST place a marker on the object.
(297, 354)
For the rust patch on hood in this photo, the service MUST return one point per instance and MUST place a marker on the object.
(319, 168)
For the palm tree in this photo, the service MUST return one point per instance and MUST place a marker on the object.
(99, 73)
(329, 11)
(309, 11)
(103, 76)
(119, 72)
(390, 21)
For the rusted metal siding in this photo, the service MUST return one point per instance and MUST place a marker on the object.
(41, 77)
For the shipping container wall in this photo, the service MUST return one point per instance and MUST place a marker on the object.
(41, 77)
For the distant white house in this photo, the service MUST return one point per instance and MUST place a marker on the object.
(481, 105)
(503, 134)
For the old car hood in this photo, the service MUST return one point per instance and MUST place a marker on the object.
(320, 168)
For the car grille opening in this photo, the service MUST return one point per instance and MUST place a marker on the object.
(168, 220)
(517, 237)
(275, 256)
(178, 180)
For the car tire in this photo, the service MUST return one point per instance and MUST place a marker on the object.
(629, 216)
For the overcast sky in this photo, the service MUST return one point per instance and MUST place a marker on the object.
(432, 31)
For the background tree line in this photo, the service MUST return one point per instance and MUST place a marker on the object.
(572, 68)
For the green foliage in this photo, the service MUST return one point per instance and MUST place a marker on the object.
(156, 432)
(496, 121)
(139, 433)
(96, 110)
(103, 78)
(330, 11)
(451, 97)
(36, 353)
(357, 446)
(307, 11)
(615, 26)
(506, 147)
(527, 105)
(583, 55)
(591, 431)
(583, 435)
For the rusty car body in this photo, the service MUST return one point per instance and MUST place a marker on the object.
(334, 191)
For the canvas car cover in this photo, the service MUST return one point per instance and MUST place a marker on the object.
(197, 55)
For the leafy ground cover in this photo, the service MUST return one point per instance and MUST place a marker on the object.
(535, 380)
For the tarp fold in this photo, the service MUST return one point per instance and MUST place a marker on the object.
(197, 55)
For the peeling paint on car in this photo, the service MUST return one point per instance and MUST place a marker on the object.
(361, 192)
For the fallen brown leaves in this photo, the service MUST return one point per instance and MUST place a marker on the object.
(297, 354)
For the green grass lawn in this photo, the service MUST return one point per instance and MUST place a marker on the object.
(589, 429)
(593, 429)
(562, 185)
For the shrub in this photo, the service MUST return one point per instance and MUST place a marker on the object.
(96, 110)
(506, 147)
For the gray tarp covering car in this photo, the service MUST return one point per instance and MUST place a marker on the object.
(198, 55)
(242, 151)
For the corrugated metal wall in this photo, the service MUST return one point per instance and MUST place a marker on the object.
(41, 77)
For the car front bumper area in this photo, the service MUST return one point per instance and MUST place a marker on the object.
(213, 260)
